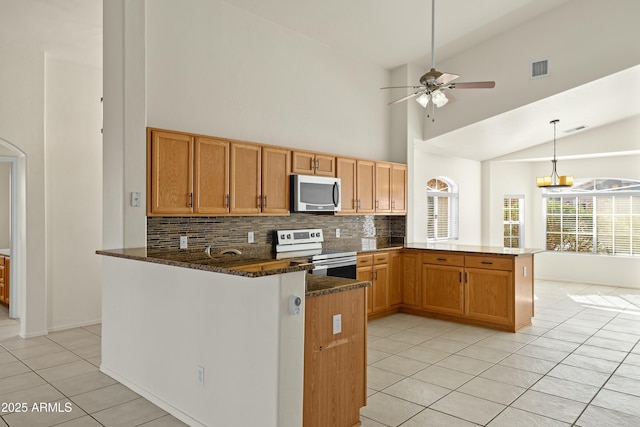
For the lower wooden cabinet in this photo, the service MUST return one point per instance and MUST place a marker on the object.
(335, 364)
(375, 268)
(5, 275)
(396, 271)
(410, 278)
(492, 291)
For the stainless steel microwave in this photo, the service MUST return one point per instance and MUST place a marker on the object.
(315, 193)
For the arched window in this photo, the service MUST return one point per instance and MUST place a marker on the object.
(596, 215)
(442, 209)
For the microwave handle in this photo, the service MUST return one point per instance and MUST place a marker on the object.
(336, 194)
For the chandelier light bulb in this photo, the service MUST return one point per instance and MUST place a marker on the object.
(423, 100)
(439, 98)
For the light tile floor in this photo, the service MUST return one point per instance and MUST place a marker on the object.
(61, 370)
(579, 364)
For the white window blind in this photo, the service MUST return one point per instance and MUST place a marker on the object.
(442, 210)
(599, 216)
(513, 221)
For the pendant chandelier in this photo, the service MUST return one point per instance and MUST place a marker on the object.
(554, 180)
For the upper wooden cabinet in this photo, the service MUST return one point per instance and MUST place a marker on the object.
(245, 179)
(346, 171)
(383, 187)
(275, 180)
(197, 175)
(365, 186)
(171, 170)
(398, 188)
(309, 163)
(211, 176)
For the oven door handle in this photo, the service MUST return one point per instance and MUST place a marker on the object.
(320, 267)
(351, 261)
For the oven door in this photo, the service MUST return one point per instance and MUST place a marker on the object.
(336, 267)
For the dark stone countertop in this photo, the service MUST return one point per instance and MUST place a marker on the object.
(324, 285)
(239, 265)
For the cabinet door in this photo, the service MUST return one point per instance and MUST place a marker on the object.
(399, 188)
(211, 176)
(245, 178)
(365, 184)
(366, 274)
(380, 288)
(303, 162)
(325, 165)
(346, 171)
(171, 170)
(383, 187)
(442, 289)
(489, 295)
(411, 278)
(396, 279)
(275, 180)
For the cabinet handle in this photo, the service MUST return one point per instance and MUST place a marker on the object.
(358, 203)
(466, 277)
(259, 201)
(441, 259)
(227, 201)
(486, 262)
(190, 200)
(460, 280)
(265, 201)
(353, 203)
(316, 164)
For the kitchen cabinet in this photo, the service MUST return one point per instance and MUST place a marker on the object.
(383, 187)
(334, 363)
(259, 179)
(347, 172)
(309, 163)
(365, 186)
(375, 268)
(488, 290)
(396, 273)
(211, 176)
(275, 180)
(398, 188)
(170, 165)
(411, 273)
(5, 279)
(442, 276)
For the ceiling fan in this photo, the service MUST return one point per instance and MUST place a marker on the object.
(434, 83)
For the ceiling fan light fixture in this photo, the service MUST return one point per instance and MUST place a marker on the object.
(439, 98)
(554, 180)
(423, 100)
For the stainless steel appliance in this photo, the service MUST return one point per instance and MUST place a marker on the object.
(308, 243)
(315, 193)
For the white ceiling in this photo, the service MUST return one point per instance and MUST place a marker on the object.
(384, 32)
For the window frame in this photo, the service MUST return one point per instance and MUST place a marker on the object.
(519, 222)
(587, 197)
(451, 196)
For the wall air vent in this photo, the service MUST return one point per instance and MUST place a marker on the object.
(539, 69)
(575, 129)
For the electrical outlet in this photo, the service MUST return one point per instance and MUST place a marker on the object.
(184, 242)
(135, 199)
(337, 324)
(200, 375)
(337, 232)
(250, 237)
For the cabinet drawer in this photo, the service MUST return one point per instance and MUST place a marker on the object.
(381, 258)
(364, 260)
(489, 262)
(443, 259)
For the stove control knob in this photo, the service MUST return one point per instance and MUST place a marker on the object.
(288, 236)
(313, 234)
(282, 236)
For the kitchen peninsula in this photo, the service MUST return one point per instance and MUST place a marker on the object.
(204, 337)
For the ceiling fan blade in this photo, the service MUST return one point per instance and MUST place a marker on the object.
(402, 87)
(472, 85)
(446, 78)
(397, 101)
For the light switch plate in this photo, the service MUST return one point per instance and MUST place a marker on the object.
(184, 242)
(250, 237)
(135, 199)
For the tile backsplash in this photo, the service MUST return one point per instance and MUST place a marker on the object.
(231, 231)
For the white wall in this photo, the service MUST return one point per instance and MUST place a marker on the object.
(467, 175)
(73, 192)
(582, 157)
(22, 77)
(5, 205)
